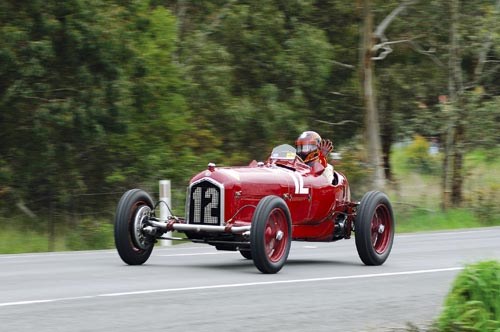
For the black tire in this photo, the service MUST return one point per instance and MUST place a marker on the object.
(374, 228)
(133, 247)
(270, 234)
(246, 254)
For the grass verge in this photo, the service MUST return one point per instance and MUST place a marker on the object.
(15, 241)
(418, 220)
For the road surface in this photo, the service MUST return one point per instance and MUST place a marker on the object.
(323, 287)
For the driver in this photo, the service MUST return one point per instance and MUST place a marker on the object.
(314, 152)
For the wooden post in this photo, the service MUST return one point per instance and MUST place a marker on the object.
(165, 202)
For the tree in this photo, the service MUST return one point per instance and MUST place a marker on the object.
(59, 95)
(460, 70)
(375, 46)
(91, 100)
(260, 73)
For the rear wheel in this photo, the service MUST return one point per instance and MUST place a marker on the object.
(374, 228)
(270, 234)
(132, 212)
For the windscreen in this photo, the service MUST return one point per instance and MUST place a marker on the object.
(283, 152)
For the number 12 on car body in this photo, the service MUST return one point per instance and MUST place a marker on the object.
(298, 182)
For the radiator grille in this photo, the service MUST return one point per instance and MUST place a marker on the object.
(206, 203)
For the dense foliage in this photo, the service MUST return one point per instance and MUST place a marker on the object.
(99, 96)
(473, 303)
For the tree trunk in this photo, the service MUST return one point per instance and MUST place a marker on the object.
(387, 141)
(371, 119)
(448, 156)
(458, 179)
(386, 132)
(454, 147)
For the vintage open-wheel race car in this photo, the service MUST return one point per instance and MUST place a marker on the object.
(258, 210)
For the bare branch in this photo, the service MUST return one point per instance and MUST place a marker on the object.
(429, 53)
(380, 31)
(64, 89)
(337, 123)
(20, 204)
(414, 45)
(336, 93)
(45, 100)
(384, 54)
(387, 49)
(345, 65)
(384, 44)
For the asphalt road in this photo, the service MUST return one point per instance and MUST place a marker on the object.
(323, 287)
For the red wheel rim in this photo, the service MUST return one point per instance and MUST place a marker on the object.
(276, 235)
(381, 229)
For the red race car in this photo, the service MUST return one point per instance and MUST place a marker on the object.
(258, 210)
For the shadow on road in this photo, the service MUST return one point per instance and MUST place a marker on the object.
(242, 265)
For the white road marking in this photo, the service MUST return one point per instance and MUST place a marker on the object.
(249, 284)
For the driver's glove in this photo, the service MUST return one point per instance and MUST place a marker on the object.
(326, 146)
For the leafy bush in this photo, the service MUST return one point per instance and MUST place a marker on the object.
(90, 234)
(482, 185)
(473, 303)
(352, 166)
(419, 159)
(484, 203)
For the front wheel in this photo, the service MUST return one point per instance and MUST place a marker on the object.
(374, 228)
(132, 212)
(270, 234)
(247, 254)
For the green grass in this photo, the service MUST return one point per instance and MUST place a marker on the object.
(19, 235)
(417, 195)
(423, 220)
(15, 241)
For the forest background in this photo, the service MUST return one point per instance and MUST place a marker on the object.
(97, 97)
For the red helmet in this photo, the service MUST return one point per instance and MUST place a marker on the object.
(308, 146)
